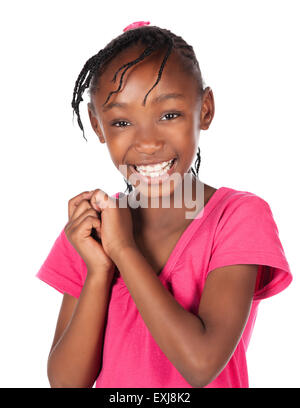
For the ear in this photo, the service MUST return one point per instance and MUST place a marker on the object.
(95, 123)
(207, 108)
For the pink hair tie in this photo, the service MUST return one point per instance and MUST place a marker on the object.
(136, 25)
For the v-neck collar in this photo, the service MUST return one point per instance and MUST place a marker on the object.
(188, 233)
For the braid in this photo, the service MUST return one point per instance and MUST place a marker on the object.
(197, 164)
(154, 38)
(145, 53)
(161, 69)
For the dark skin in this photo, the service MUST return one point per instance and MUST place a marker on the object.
(180, 139)
(139, 242)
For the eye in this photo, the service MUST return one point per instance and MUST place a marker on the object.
(172, 113)
(119, 123)
(123, 123)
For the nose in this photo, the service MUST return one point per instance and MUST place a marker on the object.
(148, 143)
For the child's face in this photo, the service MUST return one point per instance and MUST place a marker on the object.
(156, 132)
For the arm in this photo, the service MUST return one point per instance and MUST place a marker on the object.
(74, 360)
(199, 346)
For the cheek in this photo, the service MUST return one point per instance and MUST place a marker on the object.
(116, 148)
(186, 145)
(183, 134)
(117, 151)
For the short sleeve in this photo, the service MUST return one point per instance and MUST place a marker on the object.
(247, 234)
(63, 269)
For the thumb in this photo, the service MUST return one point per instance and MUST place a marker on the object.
(101, 200)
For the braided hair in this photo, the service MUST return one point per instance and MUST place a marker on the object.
(153, 38)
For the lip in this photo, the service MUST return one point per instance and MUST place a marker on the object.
(158, 179)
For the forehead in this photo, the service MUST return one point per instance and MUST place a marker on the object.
(141, 77)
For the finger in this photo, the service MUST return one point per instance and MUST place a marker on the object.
(84, 228)
(101, 200)
(90, 212)
(75, 201)
(82, 207)
(94, 199)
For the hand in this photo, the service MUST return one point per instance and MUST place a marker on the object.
(116, 223)
(84, 233)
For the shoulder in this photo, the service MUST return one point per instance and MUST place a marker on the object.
(242, 215)
(242, 202)
(233, 195)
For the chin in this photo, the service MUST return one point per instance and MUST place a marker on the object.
(157, 192)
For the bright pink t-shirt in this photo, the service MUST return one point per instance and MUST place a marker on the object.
(235, 227)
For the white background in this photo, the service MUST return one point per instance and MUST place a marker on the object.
(248, 53)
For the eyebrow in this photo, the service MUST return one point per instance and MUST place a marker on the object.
(156, 100)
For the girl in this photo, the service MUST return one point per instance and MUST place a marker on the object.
(153, 298)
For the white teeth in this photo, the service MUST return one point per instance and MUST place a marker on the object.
(160, 169)
(153, 168)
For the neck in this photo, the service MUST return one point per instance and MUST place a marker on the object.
(187, 206)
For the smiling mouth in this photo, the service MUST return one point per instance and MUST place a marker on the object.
(158, 171)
